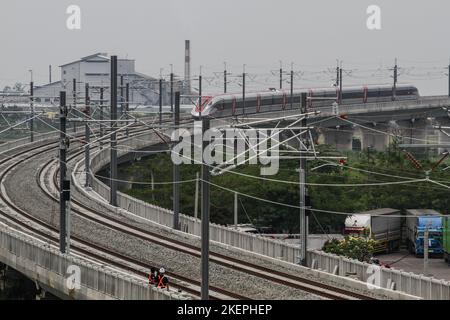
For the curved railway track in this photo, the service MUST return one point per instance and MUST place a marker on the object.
(78, 244)
(82, 210)
(275, 276)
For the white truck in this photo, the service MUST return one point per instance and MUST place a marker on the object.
(383, 225)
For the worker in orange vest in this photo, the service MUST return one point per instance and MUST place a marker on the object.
(152, 276)
(163, 280)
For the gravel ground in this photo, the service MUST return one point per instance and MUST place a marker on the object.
(23, 190)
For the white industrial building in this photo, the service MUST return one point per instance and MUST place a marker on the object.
(95, 71)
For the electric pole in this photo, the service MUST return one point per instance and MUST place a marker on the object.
(425, 251)
(32, 111)
(50, 73)
(449, 78)
(225, 78)
(394, 89)
(197, 181)
(292, 85)
(127, 105)
(235, 209)
(176, 170)
(64, 184)
(281, 75)
(87, 138)
(171, 89)
(102, 132)
(303, 194)
(113, 163)
(337, 73)
(200, 93)
(340, 84)
(160, 100)
(243, 91)
(122, 100)
(205, 219)
(74, 95)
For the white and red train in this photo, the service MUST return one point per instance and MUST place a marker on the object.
(225, 105)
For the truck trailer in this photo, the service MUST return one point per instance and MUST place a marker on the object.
(383, 225)
(417, 221)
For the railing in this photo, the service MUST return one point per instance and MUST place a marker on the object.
(34, 254)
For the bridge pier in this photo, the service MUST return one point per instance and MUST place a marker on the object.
(40, 292)
(341, 137)
(420, 131)
(3, 269)
(373, 138)
(442, 137)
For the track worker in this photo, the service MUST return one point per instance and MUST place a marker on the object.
(163, 280)
(152, 276)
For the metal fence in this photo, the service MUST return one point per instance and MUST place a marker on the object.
(413, 284)
(93, 276)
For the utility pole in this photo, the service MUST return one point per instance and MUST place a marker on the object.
(122, 100)
(64, 184)
(337, 73)
(176, 170)
(225, 78)
(292, 85)
(74, 95)
(32, 111)
(281, 75)
(87, 138)
(449, 78)
(340, 84)
(160, 100)
(171, 89)
(102, 132)
(303, 195)
(243, 91)
(113, 102)
(197, 181)
(205, 219)
(50, 73)
(394, 89)
(127, 105)
(200, 93)
(425, 251)
(235, 209)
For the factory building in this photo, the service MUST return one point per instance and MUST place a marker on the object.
(95, 71)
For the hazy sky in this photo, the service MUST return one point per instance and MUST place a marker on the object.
(259, 33)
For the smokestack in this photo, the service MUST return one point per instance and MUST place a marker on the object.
(50, 74)
(187, 67)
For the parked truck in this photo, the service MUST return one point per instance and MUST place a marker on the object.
(417, 221)
(446, 238)
(383, 225)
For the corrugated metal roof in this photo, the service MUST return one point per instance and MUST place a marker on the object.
(423, 212)
(380, 211)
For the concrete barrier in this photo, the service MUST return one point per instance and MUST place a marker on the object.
(50, 269)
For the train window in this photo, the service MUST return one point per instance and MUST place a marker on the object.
(353, 95)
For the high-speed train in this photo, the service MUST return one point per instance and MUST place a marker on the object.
(225, 105)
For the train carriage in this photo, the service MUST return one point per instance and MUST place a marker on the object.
(226, 105)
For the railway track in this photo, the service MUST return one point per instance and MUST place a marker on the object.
(134, 266)
(80, 246)
(275, 276)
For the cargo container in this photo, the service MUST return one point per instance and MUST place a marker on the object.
(417, 221)
(383, 225)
